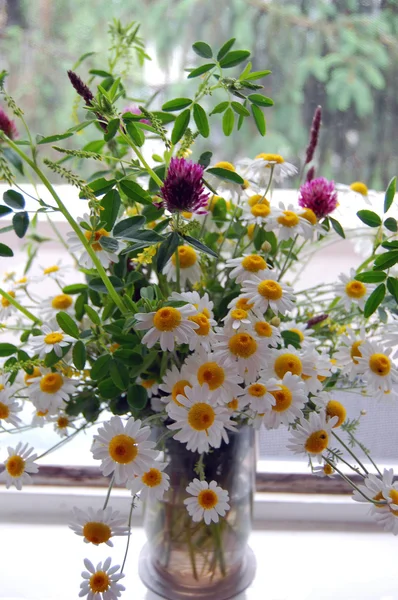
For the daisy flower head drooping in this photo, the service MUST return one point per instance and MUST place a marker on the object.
(264, 290)
(8, 408)
(332, 407)
(98, 526)
(183, 189)
(313, 436)
(267, 332)
(123, 448)
(93, 237)
(290, 397)
(174, 383)
(18, 466)
(168, 326)
(150, 384)
(150, 485)
(353, 291)
(316, 369)
(237, 318)
(6, 307)
(209, 502)
(243, 352)
(101, 582)
(356, 191)
(55, 272)
(377, 368)
(246, 266)
(264, 164)
(52, 339)
(203, 304)
(50, 391)
(200, 424)
(204, 335)
(349, 351)
(384, 492)
(51, 306)
(62, 424)
(319, 195)
(189, 266)
(288, 223)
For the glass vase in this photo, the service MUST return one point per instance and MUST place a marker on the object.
(185, 559)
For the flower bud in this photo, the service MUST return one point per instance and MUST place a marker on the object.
(266, 246)
(275, 321)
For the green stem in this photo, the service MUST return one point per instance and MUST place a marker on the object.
(191, 552)
(284, 268)
(62, 442)
(19, 306)
(365, 452)
(220, 551)
(140, 157)
(351, 483)
(129, 533)
(108, 494)
(357, 471)
(350, 452)
(178, 273)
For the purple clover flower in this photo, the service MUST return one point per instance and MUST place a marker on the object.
(7, 125)
(183, 188)
(319, 195)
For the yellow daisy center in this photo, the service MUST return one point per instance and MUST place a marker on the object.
(167, 319)
(99, 582)
(1, 387)
(123, 449)
(283, 399)
(62, 302)
(22, 280)
(203, 322)
(152, 478)
(260, 210)
(257, 390)
(355, 352)
(256, 198)
(254, 263)
(94, 236)
(212, 374)
(309, 216)
(298, 332)
(234, 404)
(187, 256)
(147, 383)
(380, 364)
(97, 532)
(317, 442)
(4, 411)
(394, 496)
(242, 345)
(62, 422)
(355, 289)
(288, 363)
(6, 303)
(336, 409)
(244, 304)
(359, 187)
(179, 389)
(53, 338)
(201, 416)
(224, 165)
(15, 466)
(270, 289)
(51, 383)
(52, 269)
(274, 158)
(207, 499)
(42, 413)
(263, 329)
(378, 497)
(186, 214)
(328, 469)
(238, 314)
(288, 219)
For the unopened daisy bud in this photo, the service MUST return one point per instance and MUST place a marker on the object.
(364, 412)
(266, 246)
(315, 320)
(314, 135)
(275, 321)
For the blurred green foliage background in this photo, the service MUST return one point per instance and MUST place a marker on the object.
(341, 54)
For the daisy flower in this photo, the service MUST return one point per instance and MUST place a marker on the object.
(314, 226)
(285, 360)
(18, 466)
(98, 526)
(312, 437)
(51, 306)
(317, 368)
(267, 332)
(223, 382)
(62, 423)
(290, 397)
(40, 417)
(8, 409)
(263, 165)
(265, 291)
(23, 282)
(203, 304)
(288, 223)
(167, 326)
(246, 266)
(325, 470)
(152, 484)
(204, 334)
(101, 582)
(243, 304)
(242, 352)
(199, 423)
(53, 339)
(356, 191)
(259, 396)
(6, 308)
(353, 291)
(151, 386)
(55, 272)
(349, 352)
(237, 318)
(209, 502)
(189, 266)
(174, 383)
(123, 448)
(377, 368)
(333, 408)
(93, 237)
(373, 487)
(51, 390)
(236, 405)
(258, 214)
(301, 329)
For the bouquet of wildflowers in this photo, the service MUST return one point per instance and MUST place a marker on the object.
(184, 315)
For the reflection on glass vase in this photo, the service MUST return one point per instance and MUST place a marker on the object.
(187, 559)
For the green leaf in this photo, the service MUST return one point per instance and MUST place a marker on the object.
(205, 159)
(145, 237)
(225, 48)
(369, 217)
(371, 276)
(136, 134)
(99, 186)
(67, 324)
(108, 389)
(176, 104)
(200, 70)
(219, 108)
(5, 210)
(5, 251)
(166, 250)
(79, 355)
(111, 129)
(119, 374)
(101, 367)
(92, 315)
(260, 100)
(256, 75)
(259, 119)
(7, 349)
(226, 174)
(109, 243)
(392, 286)
(20, 222)
(386, 260)
(110, 205)
(129, 226)
(40, 139)
(201, 120)
(240, 109)
(14, 199)
(228, 121)
(375, 298)
(137, 397)
(75, 288)
(202, 49)
(337, 227)
(200, 246)
(390, 193)
(79, 305)
(180, 125)
(291, 338)
(81, 59)
(134, 191)
(391, 224)
(98, 285)
(234, 58)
